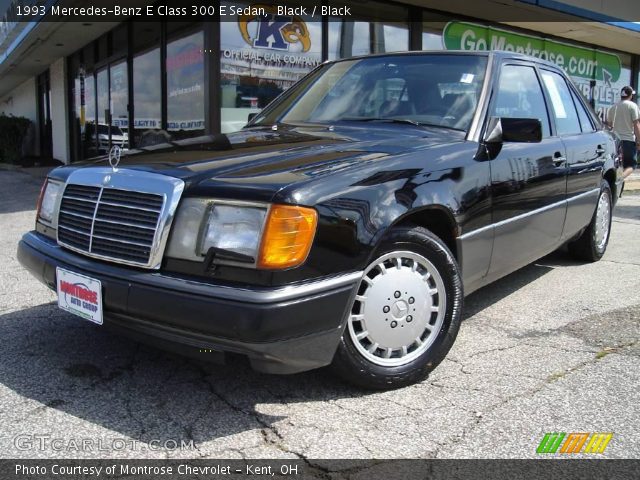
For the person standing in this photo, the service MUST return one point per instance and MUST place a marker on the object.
(624, 119)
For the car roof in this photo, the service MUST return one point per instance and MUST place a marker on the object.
(499, 54)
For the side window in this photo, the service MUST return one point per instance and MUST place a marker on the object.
(585, 120)
(564, 110)
(520, 96)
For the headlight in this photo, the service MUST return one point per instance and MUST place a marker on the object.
(49, 196)
(233, 229)
(242, 233)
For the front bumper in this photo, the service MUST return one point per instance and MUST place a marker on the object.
(281, 330)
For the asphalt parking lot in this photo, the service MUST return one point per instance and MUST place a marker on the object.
(551, 348)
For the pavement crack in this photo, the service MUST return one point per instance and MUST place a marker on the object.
(129, 367)
(461, 365)
(599, 355)
(270, 434)
(621, 263)
(491, 350)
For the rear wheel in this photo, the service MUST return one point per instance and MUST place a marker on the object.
(406, 314)
(592, 244)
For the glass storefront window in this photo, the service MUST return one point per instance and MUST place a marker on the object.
(147, 98)
(432, 28)
(396, 39)
(119, 89)
(102, 94)
(350, 39)
(372, 33)
(102, 86)
(261, 57)
(185, 86)
(431, 41)
(88, 126)
(82, 128)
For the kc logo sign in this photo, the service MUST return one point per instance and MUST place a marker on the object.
(275, 30)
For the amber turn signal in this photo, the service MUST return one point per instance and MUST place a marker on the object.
(287, 237)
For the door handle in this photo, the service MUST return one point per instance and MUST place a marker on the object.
(558, 159)
(600, 151)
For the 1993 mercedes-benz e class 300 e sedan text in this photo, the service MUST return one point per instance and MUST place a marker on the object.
(343, 225)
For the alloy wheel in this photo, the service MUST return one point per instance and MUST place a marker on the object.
(399, 309)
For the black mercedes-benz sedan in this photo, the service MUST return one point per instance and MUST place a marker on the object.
(344, 224)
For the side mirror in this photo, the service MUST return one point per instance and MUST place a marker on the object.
(521, 130)
(251, 116)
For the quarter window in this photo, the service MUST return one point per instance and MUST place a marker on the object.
(520, 96)
(564, 110)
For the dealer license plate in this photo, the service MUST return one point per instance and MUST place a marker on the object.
(79, 295)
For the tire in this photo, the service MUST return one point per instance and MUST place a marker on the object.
(403, 321)
(592, 243)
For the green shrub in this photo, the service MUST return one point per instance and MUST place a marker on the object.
(12, 133)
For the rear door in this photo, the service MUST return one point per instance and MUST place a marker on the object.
(528, 180)
(586, 150)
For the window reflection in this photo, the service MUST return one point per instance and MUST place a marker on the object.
(119, 112)
(432, 30)
(371, 34)
(86, 112)
(436, 90)
(185, 86)
(262, 57)
(349, 39)
(102, 93)
(147, 97)
(520, 96)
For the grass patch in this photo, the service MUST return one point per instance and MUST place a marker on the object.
(555, 376)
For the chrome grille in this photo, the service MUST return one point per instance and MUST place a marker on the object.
(110, 223)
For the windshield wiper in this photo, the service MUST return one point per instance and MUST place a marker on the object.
(384, 120)
(435, 125)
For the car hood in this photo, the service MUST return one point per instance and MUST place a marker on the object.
(265, 160)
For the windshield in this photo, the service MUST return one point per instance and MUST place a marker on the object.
(438, 90)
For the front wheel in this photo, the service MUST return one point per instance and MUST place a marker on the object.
(406, 314)
(592, 244)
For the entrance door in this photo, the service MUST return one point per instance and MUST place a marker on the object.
(44, 115)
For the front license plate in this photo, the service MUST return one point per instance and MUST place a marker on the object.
(79, 295)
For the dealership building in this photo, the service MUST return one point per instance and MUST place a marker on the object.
(88, 83)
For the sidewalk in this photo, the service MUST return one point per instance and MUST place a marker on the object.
(633, 182)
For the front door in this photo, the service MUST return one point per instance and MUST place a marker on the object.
(528, 180)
